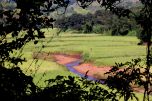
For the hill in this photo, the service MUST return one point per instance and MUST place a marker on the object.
(74, 7)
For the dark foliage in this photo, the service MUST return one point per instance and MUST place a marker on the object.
(15, 85)
(105, 19)
(13, 22)
(125, 80)
(121, 26)
(76, 21)
(74, 89)
(31, 15)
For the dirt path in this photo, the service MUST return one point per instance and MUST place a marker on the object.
(74, 64)
(83, 68)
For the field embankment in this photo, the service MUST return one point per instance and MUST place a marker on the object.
(97, 49)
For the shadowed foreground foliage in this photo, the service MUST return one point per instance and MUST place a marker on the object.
(16, 86)
(31, 15)
(77, 89)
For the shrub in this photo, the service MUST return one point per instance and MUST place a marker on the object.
(87, 28)
(98, 29)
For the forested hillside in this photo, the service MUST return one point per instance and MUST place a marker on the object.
(98, 22)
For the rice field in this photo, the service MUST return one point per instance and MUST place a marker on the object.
(102, 50)
(97, 48)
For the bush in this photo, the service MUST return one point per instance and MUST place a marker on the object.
(141, 36)
(132, 33)
(98, 29)
(87, 28)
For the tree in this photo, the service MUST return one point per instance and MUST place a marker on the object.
(97, 22)
(29, 16)
(15, 85)
(145, 21)
(23, 23)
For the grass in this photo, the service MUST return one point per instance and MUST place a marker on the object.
(43, 70)
(102, 50)
(40, 78)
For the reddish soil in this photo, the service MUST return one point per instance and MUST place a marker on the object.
(89, 68)
(92, 70)
(64, 59)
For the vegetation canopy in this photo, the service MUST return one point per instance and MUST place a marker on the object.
(23, 23)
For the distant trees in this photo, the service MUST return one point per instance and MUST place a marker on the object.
(98, 22)
(75, 21)
(81, 22)
(28, 17)
(121, 26)
(7, 5)
(22, 24)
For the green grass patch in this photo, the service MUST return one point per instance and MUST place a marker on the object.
(81, 11)
(102, 50)
(43, 70)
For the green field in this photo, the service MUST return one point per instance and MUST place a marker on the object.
(102, 50)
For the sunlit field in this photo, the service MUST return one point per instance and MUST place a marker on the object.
(97, 48)
(102, 50)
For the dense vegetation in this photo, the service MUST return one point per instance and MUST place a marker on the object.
(24, 22)
(98, 22)
(102, 21)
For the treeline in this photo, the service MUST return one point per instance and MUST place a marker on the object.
(4, 4)
(98, 22)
